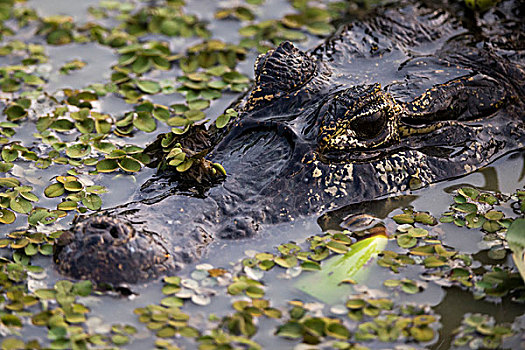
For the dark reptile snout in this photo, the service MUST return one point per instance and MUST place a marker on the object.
(105, 249)
(109, 230)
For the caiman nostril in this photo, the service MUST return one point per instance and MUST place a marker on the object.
(109, 250)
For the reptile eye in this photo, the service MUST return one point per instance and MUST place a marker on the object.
(369, 126)
(359, 118)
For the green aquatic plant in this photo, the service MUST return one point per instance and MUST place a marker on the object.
(481, 5)
(516, 240)
(76, 138)
(351, 267)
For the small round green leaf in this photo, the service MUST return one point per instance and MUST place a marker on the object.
(107, 166)
(129, 164)
(54, 190)
(15, 112)
(67, 205)
(73, 186)
(92, 201)
(222, 120)
(148, 86)
(20, 205)
(78, 151)
(7, 216)
(145, 122)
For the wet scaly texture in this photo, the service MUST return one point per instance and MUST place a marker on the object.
(330, 127)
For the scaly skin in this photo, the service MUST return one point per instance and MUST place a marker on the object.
(97, 245)
(404, 99)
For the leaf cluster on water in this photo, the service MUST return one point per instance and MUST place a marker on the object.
(73, 132)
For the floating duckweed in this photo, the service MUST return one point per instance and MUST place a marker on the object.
(76, 192)
(18, 198)
(242, 13)
(73, 186)
(388, 324)
(15, 112)
(72, 65)
(30, 243)
(140, 58)
(129, 164)
(219, 338)
(169, 20)
(120, 339)
(166, 321)
(107, 165)
(12, 343)
(57, 29)
(7, 216)
(144, 121)
(9, 154)
(406, 285)
(395, 260)
(224, 119)
(286, 261)
(172, 285)
(268, 34)
(92, 201)
(410, 238)
(500, 282)
(148, 86)
(120, 334)
(473, 209)
(201, 300)
(480, 331)
(312, 330)
(410, 216)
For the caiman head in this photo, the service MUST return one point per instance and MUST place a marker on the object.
(335, 119)
(356, 123)
(305, 142)
(358, 142)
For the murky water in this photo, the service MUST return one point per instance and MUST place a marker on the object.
(450, 304)
(76, 9)
(505, 175)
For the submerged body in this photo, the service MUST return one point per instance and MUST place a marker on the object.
(396, 102)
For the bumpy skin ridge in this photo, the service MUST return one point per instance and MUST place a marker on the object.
(281, 72)
(322, 130)
(103, 247)
(284, 68)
